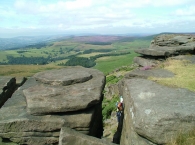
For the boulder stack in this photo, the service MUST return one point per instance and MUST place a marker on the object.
(164, 46)
(69, 97)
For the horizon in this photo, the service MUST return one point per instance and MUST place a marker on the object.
(86, 35)
(74, 17)
(96, 34)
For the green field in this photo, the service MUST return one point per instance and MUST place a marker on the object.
(108, 64)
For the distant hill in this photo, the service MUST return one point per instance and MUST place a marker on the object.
(23, 41)
(97, 38)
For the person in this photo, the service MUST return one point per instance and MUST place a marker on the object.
(118, 115)
(120, 107)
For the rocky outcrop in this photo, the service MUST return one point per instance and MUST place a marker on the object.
(50, 100)
(155, 113)
(166, 51)
(164, 46)
(71, 137)
(172, 40)
(111, 90)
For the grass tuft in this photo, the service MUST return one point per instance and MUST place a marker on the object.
(184, 138)
(184, 74)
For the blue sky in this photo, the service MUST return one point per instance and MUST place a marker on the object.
(48, 17)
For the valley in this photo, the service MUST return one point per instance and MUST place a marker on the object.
(104, 53)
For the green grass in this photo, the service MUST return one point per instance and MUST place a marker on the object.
(184, 138)
(108, 64)
(184, 74)
(112, 79)
(24, 70)
(132, 45)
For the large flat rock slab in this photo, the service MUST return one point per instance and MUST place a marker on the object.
(156, 112)
(50, 95)
(64, 77)
(166, 51)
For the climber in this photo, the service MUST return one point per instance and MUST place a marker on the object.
(120, 107)
(121, 101)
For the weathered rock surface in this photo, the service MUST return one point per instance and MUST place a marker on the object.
(166, 51)
(57, 97)
(71, 137)
(111, 90)
(145, 62)
(155, 113)
(162, 73)
(173, 40)
(20, 125)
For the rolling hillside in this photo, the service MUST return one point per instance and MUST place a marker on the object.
(105, 53)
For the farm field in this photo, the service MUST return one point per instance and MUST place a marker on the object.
(108, 64)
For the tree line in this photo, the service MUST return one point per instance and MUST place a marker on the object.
(73, 60)
(96, 50)
(99, 43)
(88, 62)
(82, 61)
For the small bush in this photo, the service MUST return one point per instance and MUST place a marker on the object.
(112, 79)
(108, 106)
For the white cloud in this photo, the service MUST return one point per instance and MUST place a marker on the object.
(189, 11)
(139, 15)
(170, 2)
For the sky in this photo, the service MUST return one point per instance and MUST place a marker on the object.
(50, 17)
